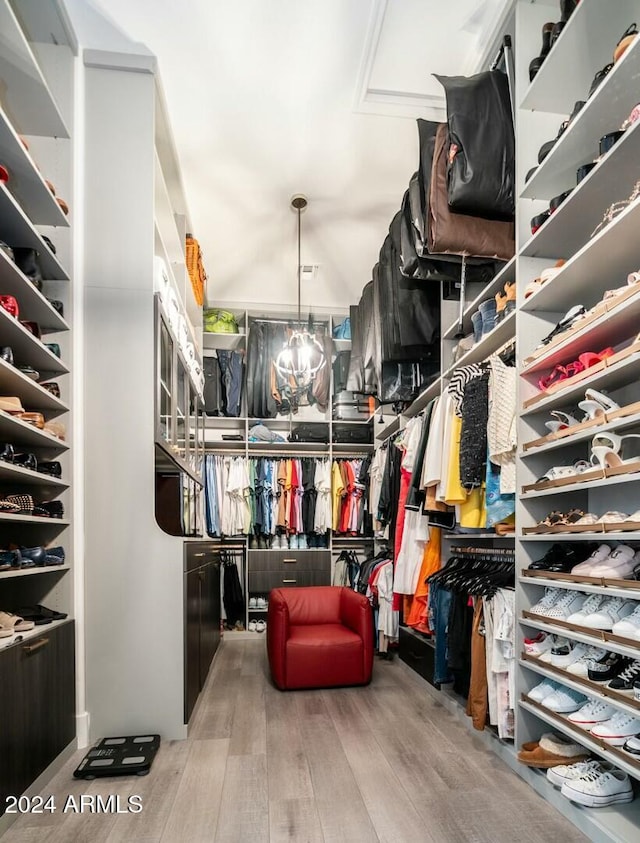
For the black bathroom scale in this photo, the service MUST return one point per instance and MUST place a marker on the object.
(125, 756)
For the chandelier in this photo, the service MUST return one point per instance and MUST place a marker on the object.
(303, 355)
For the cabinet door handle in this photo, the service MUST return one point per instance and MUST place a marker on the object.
(198, 554)
(289, 560)
(32, 648)
(289, 581)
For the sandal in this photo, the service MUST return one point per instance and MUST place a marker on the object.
(559, 472)
(589, 358)
(628, 37)
(14, 622)
(574, 315)
(574, 516)
(616, 208)
(587, 518)
(562, 421)
(553, 519)
(606, 449)
(557, 374)
(597, 404)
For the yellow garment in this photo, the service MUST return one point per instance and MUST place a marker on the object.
(337, 488)
(472, 508)
(473, 512)
(453, 491)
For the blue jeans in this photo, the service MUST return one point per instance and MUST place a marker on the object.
(439, 603)
(488, 311)
(230, 363)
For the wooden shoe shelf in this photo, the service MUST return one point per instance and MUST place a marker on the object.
(594, 263)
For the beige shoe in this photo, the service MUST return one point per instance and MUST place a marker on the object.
(11, 404)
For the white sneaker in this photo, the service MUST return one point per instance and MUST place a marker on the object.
(592, 713)
(590, 605)
(617, 729)
(253, 602)
(543, 690)
(564, 700)
(580, 667)
(630, 625)
(613, 610)
(261, 603)
(261, 626)
(252, 626)
(570, 772)
(551, 596)
(538, 645)
(599, 555)
(559, 643)
(574, 655)
(567, 605)
(599, 788)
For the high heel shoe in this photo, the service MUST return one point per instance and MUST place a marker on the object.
(597, 404)
(608, 450)
(561, 421)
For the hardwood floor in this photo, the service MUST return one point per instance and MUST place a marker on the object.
(383, 763)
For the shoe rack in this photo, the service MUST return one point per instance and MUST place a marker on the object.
(595, 262)
(37, 117)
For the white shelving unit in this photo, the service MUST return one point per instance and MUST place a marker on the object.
(37, 105)
(594, 264)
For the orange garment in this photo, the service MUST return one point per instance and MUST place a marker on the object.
(348, 498)
(431, 562)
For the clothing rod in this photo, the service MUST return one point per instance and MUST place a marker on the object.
(293, 320)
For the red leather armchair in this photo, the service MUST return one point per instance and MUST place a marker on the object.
(319, 637)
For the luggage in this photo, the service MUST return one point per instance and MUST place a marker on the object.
(310, 432)
(353, 434)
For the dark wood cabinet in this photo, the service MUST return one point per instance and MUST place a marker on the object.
(37, 702)
(201, 616)
(418, 652)
(288, 569)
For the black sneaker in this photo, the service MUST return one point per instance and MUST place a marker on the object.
(608, 667)
(624, 681)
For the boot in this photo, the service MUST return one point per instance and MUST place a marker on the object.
(547, 34)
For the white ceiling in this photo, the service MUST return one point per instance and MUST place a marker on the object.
(272, 97)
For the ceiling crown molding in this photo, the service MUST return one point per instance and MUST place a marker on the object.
(383, 101)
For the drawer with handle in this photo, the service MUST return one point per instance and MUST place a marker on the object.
(264, 581)
(289, 560)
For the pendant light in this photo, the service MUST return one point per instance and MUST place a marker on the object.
(302, 356)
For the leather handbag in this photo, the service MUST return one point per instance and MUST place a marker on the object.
(462, 234)
(10, 304)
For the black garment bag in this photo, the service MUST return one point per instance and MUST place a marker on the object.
(481, 155)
